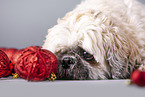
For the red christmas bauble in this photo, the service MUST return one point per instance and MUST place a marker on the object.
(36, 64)
(3, 48)
(138, 77)
(17, 54)
(5, 65)
(9, 51)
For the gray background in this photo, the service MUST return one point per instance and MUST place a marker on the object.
(24, 23)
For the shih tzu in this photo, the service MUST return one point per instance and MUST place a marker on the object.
(99, 39)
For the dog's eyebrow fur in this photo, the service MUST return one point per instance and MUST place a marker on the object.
(80, 51)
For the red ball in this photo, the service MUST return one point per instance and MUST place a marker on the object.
(3, 48)
(9, 51)
(138, 77)
(5, 66)
(17, 54)
(36, 64)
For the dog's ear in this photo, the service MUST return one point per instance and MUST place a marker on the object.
(122, 53)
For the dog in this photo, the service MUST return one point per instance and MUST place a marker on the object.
(99, 39)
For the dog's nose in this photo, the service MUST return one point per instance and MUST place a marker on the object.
(67, 62)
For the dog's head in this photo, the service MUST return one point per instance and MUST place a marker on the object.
(83, 44)
(76, 63)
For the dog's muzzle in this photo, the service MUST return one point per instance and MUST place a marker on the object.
(67, 62)
(73, 64)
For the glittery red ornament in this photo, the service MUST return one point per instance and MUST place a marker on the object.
(138, 77)
(5, 65)
(17, 54)
(9, 51)
(36, 64)
(3, 48)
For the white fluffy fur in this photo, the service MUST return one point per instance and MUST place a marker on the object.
(112, 30)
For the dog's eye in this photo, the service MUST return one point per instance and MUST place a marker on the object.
(87, 56)
(84, 54)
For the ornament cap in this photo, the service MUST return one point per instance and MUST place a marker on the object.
(52, 77)
(15, 75)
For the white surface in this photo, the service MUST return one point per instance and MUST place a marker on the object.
(59, 88)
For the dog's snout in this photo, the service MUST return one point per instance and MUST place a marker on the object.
(67, 62)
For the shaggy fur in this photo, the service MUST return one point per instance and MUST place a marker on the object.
(113, 31)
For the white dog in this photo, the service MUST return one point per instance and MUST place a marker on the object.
(100, 39)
